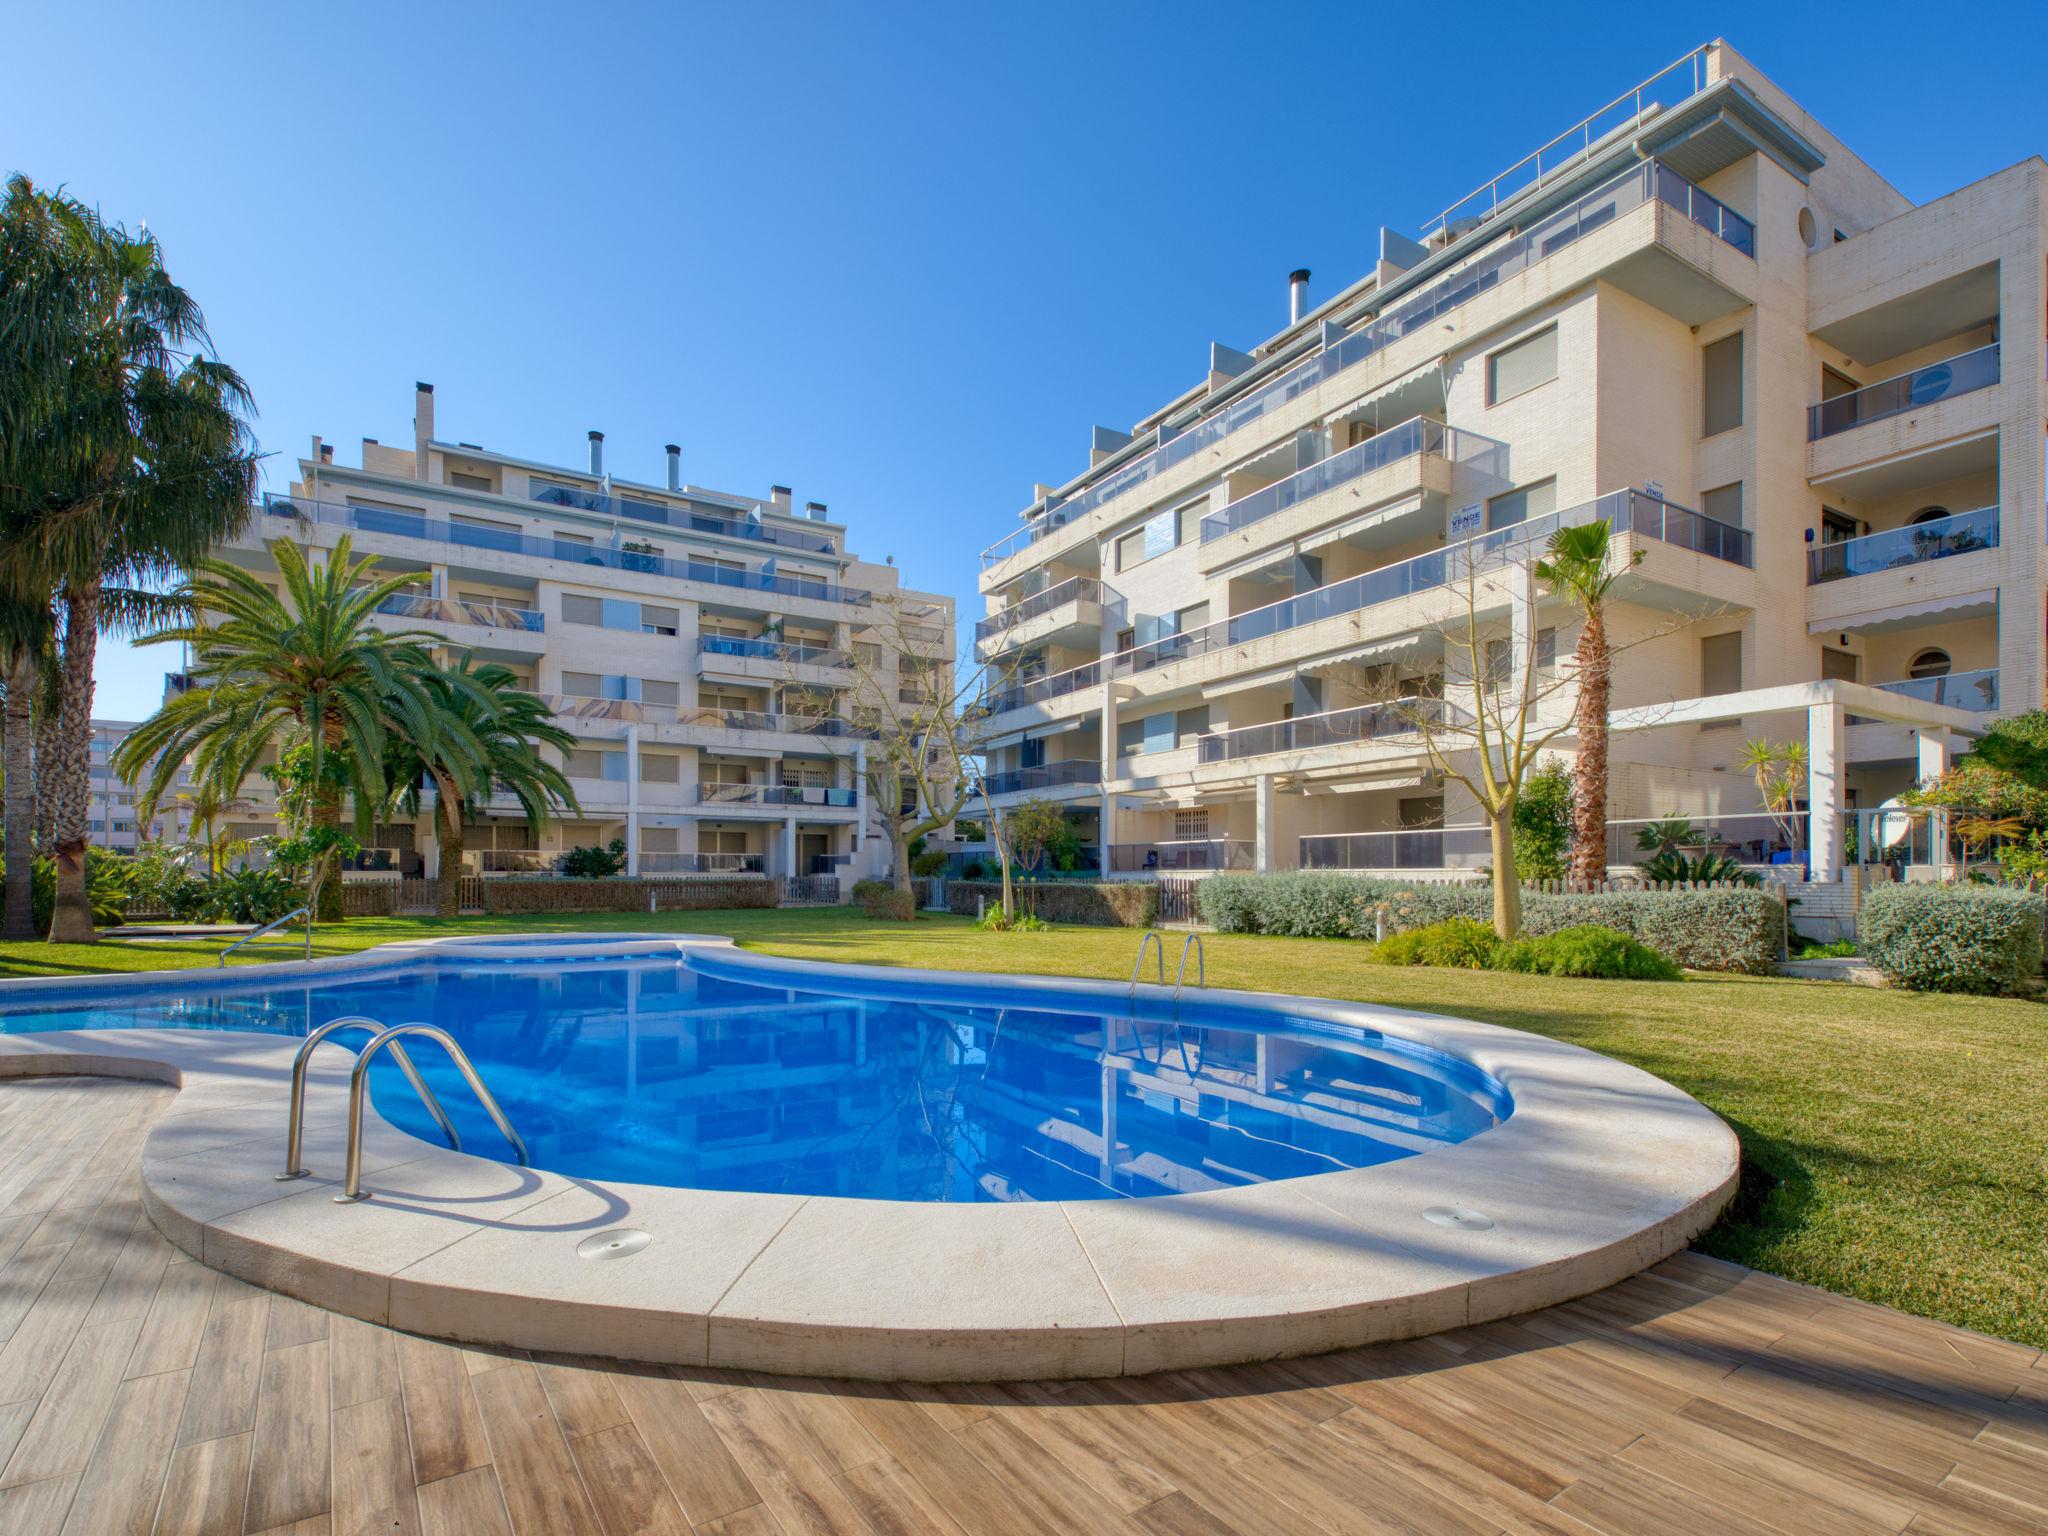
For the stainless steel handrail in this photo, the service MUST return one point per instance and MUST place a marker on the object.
(274, 923)
(1151, 937)
(352, 1188)
(295, 1116)
(1194, 941)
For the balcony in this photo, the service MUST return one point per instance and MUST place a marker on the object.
(443, 610)
(1416, 848)
(517, 861)
(777, 794)
(1959, 375)
(408, 525)
(765, 662)
(757, 720)
(1494, 265)
(1938, 538)
(702, 863)
(1977, 690)
(1062, 775)
(1411, 439)
(1041, 618)
(1181, 856)
(794, 653)
(689, 519)
(1372, 722)
(1040, 690)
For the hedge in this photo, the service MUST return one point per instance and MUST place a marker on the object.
(1953, 938)
(522, 895)
(1113, 904)
(1736, 929)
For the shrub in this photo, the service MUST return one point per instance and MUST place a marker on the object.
(928, 863)
(1671, 867)
(1588, 949)
(879, 898)
(993, 921)
(1953, 938)
(549, 894)
(595, 863)
(1459, 942)
(1116, 904)
(1543, 822)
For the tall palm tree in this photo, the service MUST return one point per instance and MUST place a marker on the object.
(506, 728)
(305, 665)
(25, 636)
(138, 460)
(1576, 570)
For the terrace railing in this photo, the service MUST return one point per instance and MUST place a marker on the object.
(1960, 533)
(1076, 589)
(690, 519)
(1371, 722)
(1044, 776)
(795, 653)
(1957, 375)
(777, 794)
(1411, 439)
(1976, 690)
(447, 610)
(1183, 854)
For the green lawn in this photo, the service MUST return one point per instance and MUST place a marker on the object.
(1900, 1137)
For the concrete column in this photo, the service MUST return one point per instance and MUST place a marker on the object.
(1263, 830)
(860, 798)
(1105, 821)
(1827, 790)
(1935, 748)
(1521, 630)
(632, 799)
(789, 846)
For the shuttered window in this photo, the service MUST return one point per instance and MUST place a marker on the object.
(661, 768)
(1518, 506)
(579, 609)
(1522, 367)
(1722, 364)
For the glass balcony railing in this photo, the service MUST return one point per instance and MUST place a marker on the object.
(1371, 722)
(449, 611)
(1498, 262)
(410, 525)
(517, 861)
(758, 720)
(1957, 375)
(702, 863)
(1936, 539)
(1182, 854)
(1629, 511)
(1976, 690)
(1412, 438)
(1076, 589)
(690, 519)
(1044, 776)
(1408, 848)
(776, 794)
(792, 652)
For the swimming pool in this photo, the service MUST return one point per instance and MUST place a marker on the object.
(704, 1070)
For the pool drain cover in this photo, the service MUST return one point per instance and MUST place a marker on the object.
(1463, 1217)
(622, 1243)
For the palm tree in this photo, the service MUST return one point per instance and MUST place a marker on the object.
(25, 634)
(506, 726)
(136, 459)
(307, 665)
(205, 803)
(1576, 571)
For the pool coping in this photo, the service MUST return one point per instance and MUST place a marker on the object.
(1601, 1171)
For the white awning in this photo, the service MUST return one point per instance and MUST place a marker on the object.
(1407, 506)
(1034, 733)
(1966, 605)
(1394, 648)
(1271, 677)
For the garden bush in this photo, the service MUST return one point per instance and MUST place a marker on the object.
(561, 894)
(1954, 938)
(1460, 942)
(1589, 949)
(880, 898)
(1114, 904)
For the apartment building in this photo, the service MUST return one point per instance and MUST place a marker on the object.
(111, 820)
(708, 650)
(1811, 412)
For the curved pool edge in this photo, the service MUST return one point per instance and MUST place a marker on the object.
(1601, 1171)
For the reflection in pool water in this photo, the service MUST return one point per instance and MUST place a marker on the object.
(689, 1072)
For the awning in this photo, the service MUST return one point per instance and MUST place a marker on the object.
(1965, 605)
(1395, 648)
(1407, 506)
(1271, 677)
(1036, 732)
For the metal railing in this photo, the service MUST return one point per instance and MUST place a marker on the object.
(270, 927)
(1417, 436)
(1151, 939)
(1960, 533)
(295, 1114)
(517, 861)
(702, 863)
(777, 794)
(1192, 941)
(690, 519)
(448, 610)
(1075, 589)
(1750, 838)
(1044, 776)
(1651, 181)
(793, 652)
(1215, 853)
(1369, 722)
(417, 525)
(1976, 690)
(1958, 375)
(352, 1189)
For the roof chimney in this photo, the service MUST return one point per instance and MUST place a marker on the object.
(675, 467)
(597, 453)
(1297, 295)
(327, 453)
(422, 427)
(815, 510)
(778, 499)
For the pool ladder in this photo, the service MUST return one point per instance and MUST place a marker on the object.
(295, 1119)
(1155, 942)
(269, 928)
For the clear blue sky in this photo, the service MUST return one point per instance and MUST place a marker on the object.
(898, 257)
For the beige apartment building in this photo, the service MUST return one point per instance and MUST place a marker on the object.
(708, 650)
(1813, 409)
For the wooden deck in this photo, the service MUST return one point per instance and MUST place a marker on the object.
(140, 1391)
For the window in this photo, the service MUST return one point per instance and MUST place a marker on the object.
(1931, 663)
(658, 620)
(1723, 384)
(662, 695)
(1188, 620)
(658, 839)
(1189, 724)
(1834, 383)
(1928, 515)
(1150, 539)
(583, 685)
(467, 521)
(660, 768)
(590, 763)
(1838, 666)
(1546, 650)
(1191, 826)
(1518, 506)
(1520, 368)
(1191, 515)
(1724, 504)
(579, 609)
(1721, 664)
(462, 480)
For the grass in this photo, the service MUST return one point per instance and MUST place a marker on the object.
(1896, 1141)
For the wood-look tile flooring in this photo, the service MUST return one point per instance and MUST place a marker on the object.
(140, 1391)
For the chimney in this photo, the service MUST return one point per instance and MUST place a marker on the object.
(327, 453)
(1297, 295)
(815, 510)
(778, 499)
(422, 427)
(675, 467)
(597, 453)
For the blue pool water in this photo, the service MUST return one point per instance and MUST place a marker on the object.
(700, 1071)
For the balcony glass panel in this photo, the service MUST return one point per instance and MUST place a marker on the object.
(1976, 690)
(702, 863)
(1908, 392)
(1411, 438)
(1371, 722)
(449, 611)
(1487, 270)
(1045, 776)
(1937, 539)
(692, 519)
(772, 650)
(775, 794)
(1077, 589)
(1209, 853)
